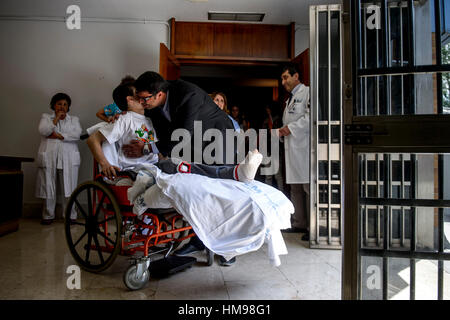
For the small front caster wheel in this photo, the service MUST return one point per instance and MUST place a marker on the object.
(132, 282)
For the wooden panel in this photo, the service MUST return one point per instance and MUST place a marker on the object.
(232, 40)
(194, 38)
(302, 62)
(169, 67)
(271, 42)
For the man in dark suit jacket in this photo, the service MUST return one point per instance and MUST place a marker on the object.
(177, 104)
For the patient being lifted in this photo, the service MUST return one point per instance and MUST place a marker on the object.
(230, 217)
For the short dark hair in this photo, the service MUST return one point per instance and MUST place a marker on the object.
(291, 68)
(60, 96)
(152, 82)
(127, 80)
(122, 91)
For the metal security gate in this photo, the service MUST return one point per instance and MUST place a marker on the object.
(326, 126)
(397, 150)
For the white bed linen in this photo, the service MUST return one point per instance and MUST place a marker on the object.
(230, 217)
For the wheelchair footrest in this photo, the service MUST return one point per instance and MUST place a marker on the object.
(170, 265)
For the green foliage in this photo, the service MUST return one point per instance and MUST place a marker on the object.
(446, 79)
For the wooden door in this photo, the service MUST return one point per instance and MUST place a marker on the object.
(169, 67)
(302, 62)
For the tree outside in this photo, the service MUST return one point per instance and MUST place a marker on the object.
(446, 79)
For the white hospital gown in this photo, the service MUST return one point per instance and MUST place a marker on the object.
(230, 217)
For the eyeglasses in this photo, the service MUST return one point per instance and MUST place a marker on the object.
(146, 98)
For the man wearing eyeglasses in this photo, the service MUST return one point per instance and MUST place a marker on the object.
(174, 105)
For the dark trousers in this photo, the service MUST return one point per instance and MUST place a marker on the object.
(172, 166)
(300, 200)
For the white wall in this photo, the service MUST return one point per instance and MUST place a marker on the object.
(40, 58)
(301, 38)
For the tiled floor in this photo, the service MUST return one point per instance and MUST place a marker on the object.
(34, 261)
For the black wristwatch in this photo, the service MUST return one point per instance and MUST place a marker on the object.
(147, 149)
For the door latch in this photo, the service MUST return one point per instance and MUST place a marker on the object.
(358, 134)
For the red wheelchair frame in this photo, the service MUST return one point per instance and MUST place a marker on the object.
(119, 230)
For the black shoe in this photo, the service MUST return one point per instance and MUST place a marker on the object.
(187, 249)
(294, 230)
(305, 237)
(46, 222)
(226, 263)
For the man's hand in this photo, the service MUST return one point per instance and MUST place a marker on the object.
(283, 132)
(109, 171)
(161, 157)
(134, 149)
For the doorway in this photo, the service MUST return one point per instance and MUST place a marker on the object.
(251, 88)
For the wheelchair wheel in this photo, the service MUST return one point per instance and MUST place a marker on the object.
(94, 239)
(133, 283)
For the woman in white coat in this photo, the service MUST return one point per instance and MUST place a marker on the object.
(296, 135)
(58, 157)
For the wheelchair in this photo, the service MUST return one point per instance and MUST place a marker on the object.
(107, 227)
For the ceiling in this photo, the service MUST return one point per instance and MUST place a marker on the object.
(276, 11)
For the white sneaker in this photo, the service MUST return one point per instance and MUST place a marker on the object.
(246, 170)
(139, 205)
(144, 180)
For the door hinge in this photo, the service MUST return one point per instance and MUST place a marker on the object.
(358, 134)
(345, 17)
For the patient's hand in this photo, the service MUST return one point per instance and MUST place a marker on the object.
(109, 170)
(134, 149)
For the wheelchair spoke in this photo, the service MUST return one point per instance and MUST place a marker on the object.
(99, 204)
(89, 200)
(82, 236)
(108, 219)
(106, 238)
(88, 249)
(78, 224)
(98, 249)
(80, 208)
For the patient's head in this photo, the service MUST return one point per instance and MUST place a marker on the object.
(125, 95)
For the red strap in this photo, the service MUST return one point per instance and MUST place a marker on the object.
(235, 172)
(181, 168)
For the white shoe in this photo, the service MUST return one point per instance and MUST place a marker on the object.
(139, 205)
(246, 170)
(144, 180)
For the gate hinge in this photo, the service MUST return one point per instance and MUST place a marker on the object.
(358, 134)
(345, 17)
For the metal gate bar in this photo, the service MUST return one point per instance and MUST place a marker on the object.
(326, 141)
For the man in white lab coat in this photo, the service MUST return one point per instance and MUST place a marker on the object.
(295, 133)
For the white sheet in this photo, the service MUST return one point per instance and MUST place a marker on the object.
(230, 217)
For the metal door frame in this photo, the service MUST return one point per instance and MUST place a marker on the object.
(381, 139)
(316, 240)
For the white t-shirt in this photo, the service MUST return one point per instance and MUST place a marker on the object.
(128, 127)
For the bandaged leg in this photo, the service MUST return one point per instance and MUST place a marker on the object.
(144, 180)
(246, 170)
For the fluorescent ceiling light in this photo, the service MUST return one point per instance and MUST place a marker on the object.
(235, 16)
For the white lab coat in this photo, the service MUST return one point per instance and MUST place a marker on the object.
(296, 145)
(57, 154)
(230, 217)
